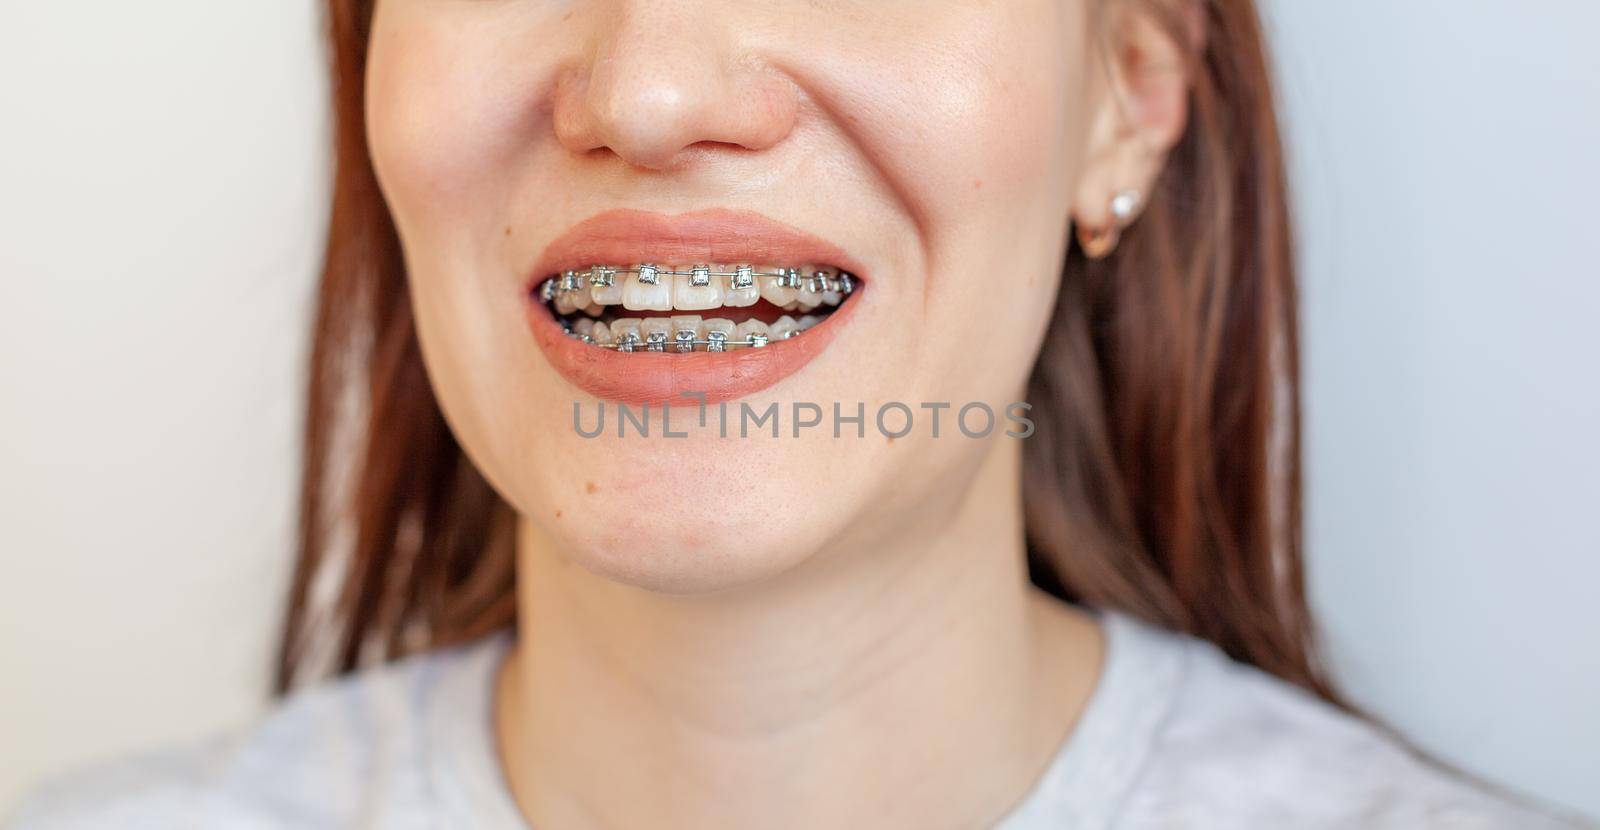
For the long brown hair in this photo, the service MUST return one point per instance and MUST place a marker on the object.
(1163, 481)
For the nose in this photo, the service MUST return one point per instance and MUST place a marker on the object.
(667, 76)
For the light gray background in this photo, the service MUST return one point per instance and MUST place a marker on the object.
(162, 204)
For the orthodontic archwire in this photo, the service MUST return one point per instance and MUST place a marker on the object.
(699, 276)
(684, 343)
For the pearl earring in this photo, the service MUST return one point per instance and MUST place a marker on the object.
(1124, 205)
(1100, 242)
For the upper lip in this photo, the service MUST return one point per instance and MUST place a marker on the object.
(715, 236)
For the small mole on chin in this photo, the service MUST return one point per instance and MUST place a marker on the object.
(590, 488)
(558, 514)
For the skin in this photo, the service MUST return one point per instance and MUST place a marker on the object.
(771, 632)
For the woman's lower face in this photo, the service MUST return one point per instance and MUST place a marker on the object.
(799, 213)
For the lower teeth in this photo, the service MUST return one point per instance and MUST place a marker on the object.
(632, 335)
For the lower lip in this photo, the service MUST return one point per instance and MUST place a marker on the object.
(642, 379)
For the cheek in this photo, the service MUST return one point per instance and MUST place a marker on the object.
(445, 118)
(448, 120)
(988, 118)
(985, 133)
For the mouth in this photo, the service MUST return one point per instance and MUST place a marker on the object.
(645, 308)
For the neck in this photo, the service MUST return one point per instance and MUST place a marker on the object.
(826, 696)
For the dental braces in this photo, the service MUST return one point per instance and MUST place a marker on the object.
(684, 341)
(657, 342)
(700, 276)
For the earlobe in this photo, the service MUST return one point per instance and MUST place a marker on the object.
(1098, 242)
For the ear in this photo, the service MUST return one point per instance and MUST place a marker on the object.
(1140, 108)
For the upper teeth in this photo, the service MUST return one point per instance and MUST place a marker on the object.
(650, 287)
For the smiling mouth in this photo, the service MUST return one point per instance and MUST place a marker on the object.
(642, 308)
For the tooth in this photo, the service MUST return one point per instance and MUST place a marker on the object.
(809, 298)
(688, 297)
(738, 297)
(607, 294)
(685, 327)
(808, 321)
(583, 326)
(771, 291)
(722, 324)
(642, 296)
(563, 303)
(834, 298)
(784, 328)
(742, 297)
(749, 328)
(657, 332)
(624, 329)
(601, 334)
(716, 326)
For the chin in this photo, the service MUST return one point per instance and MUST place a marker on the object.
(682, 543)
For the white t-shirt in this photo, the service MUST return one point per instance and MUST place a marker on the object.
(1175, 735)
